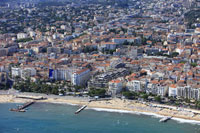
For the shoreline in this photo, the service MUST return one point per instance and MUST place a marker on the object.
(114, 105)
(179, 120)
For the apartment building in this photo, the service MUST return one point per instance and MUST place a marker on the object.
(115, 87)
(80, 77)
(134, 85)
(60, 74)
(130, 40)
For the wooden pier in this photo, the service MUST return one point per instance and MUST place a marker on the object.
(82, 108)
(23, 107)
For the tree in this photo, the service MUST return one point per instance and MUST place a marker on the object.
(145, 96)
(24, 40)
(54, 91)
(62, 92)
(44, 50)
(124, 30)
(37, 87)
(187, 100)
(191, 17)
(144, 40)
(193, 64)
(126, 43)
(158, 99)
(128, 94)
(197, 104)
(77, 88)
(113, 30)
(97, 92)
(174, 54)
(183, 62)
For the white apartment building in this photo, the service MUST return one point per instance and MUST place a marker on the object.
(130, 40)
(172, 90)
(162, 90)
(80, 77)
(62, 74)
(188, 92)
(22, 35)
(23, 72)
(115, 87)
(32, 34)
(107, 46)
(2, 68)
(15, 71)
(63, 27)
(134, 85)
(37, 49)
(28, 72)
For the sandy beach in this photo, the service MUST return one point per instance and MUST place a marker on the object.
(113, 104)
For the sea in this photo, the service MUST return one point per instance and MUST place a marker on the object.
(60, 118)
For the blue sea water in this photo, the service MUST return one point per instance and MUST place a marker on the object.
(57, 118)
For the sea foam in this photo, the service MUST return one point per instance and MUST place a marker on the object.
(179, 120)
(65, 103)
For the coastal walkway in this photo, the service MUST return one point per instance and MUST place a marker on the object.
(23, 107)
(30, 97)
(95, 99)
(80, 109)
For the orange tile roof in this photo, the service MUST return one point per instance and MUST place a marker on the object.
(115, 81)
(95, 55)
(154, 82)
(81, 71)
(173, 86)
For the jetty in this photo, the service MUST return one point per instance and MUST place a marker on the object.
(23, 107)
(100, 99)
(30, 97)
(165, 119)
(80, 109)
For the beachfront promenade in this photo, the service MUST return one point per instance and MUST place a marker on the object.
(49, 96)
